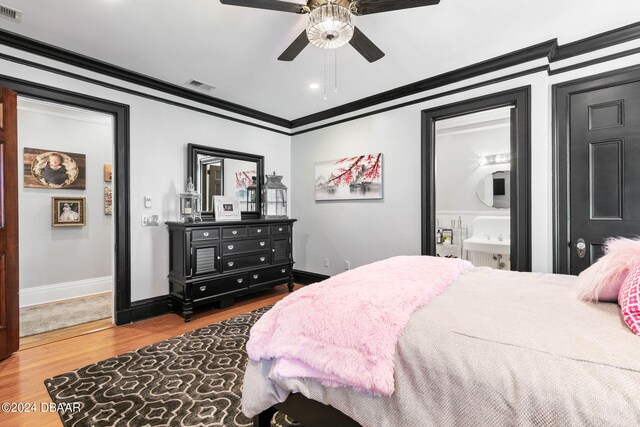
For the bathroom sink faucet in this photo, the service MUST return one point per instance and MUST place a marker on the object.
(500, 237)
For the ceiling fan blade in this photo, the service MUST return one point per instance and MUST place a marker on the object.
(281, 6)
(364, 46)
(295, 48)
(367, 7)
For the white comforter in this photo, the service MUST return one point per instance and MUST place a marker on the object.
(496, 348)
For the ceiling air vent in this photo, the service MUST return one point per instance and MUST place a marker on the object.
(10, 13)
(201, 86)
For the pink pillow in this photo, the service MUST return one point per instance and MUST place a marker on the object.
(630, 299)
(602, 281)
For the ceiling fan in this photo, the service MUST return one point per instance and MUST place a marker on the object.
(330, 22)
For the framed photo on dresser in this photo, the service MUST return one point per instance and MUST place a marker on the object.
(226, 208)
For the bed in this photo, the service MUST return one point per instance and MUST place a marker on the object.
(495, 348)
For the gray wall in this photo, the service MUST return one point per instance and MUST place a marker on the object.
(54, 255)
(365, 230)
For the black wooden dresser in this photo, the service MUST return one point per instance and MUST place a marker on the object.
(215, 262)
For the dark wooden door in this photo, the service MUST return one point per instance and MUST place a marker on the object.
(604, 157)
(216, 181)
(9, 340)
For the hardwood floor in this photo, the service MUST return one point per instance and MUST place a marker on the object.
(22, 375)
(65, 333)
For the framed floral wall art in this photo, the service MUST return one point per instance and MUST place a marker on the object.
(349, 178)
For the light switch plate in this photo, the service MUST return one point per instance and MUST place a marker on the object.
(147, 202)
(149, 220)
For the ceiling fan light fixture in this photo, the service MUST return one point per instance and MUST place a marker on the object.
(330, 26)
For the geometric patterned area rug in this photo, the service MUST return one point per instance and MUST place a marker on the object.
(193, 379)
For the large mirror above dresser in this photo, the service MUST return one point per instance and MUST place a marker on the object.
(217, 172)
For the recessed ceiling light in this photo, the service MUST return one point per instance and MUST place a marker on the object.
(314, 86)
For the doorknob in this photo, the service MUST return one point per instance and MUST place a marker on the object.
(581, 248)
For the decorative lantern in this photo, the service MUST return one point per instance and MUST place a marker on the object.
(251, 195)
(190, 202)
(274, 198)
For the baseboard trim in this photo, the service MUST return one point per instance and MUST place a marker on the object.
(144, 309)
(63, 291)
(307, 277)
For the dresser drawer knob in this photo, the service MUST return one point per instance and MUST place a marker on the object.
(259, 230)
(230, 263)
(262, 259)
(205, 234)
(218, 257)
(234, 231)
(255, 276)
(262, 243)
(230, 247)
(203, 288)
(280, 229)
(284, 270)
(240, 280)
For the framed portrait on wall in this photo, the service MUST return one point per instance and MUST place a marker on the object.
(226, 208)
(53, 169)
(68, 211)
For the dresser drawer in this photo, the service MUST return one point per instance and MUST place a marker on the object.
(280, 229)
(247, 261)
(268, 275)
(259, 231)
(232, 232)
(240, 246)
(207, 233)
(219, 286)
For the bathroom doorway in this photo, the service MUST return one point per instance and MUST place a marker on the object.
(473, 171)
(476, 186)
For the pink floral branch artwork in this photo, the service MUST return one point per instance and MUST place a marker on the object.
(358, 177)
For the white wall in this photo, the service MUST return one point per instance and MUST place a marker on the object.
(64, 255)
(457, 170)
(159, 134)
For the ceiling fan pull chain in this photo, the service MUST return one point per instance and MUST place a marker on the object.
(325, 76)
(335, 71)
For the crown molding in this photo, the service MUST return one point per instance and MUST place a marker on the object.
(518, 57)
(549, 49)
(46, 50)
(596, 42)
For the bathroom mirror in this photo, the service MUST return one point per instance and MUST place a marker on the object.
(217, 172)
(493, 190)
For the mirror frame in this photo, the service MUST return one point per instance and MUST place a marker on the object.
(193, 150)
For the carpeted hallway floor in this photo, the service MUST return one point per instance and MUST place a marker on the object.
(57, 315)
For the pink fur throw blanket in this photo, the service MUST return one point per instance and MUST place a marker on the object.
(343, 331)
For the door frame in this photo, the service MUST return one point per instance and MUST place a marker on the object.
(120, 112)
(561, 110)
(520, 99)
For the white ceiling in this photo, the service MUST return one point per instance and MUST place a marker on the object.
(235, 48)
